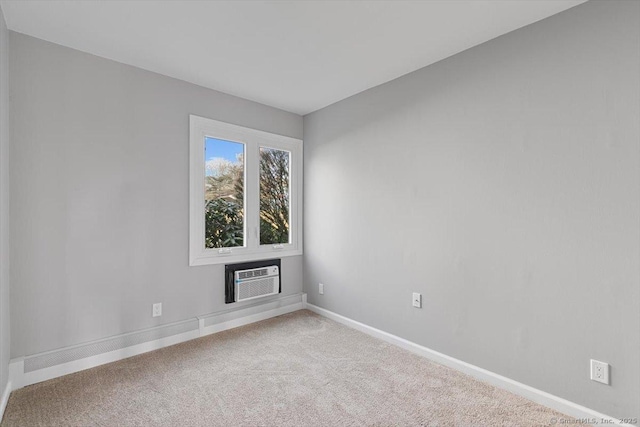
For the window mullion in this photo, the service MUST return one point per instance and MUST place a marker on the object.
(252, 196)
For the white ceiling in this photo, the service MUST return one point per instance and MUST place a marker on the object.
(299, 56)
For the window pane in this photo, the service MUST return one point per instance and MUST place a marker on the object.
(223, 193)
(274, 196)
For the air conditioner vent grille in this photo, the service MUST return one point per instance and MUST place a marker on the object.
(256, 288)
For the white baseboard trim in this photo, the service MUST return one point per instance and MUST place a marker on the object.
(5, 399)
(242, 321)
(24, 379)
(515, 387)
(18, 378)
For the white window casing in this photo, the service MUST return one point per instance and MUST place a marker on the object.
(200, 128)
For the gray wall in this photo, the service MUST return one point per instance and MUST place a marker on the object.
(503, 184)
(100, 196)
(4, 204)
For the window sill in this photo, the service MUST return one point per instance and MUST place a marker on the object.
(213, 258)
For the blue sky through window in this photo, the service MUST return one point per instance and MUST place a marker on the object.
(217, 150)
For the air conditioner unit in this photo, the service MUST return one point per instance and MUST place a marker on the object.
(256, 282)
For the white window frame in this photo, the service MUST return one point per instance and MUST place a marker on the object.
(199, 128)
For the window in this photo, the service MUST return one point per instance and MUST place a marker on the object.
(245, 188)
(223, 194)
(274, 196)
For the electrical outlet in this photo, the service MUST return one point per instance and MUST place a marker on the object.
(320, 288)
(417, 300)
(157, 309)
(600, 371)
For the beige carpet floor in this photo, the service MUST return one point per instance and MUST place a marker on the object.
(294, 370)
